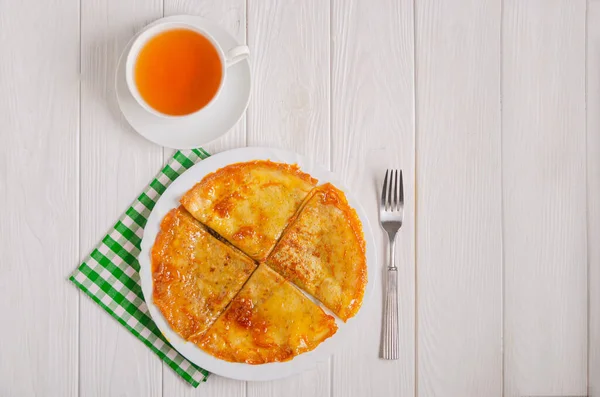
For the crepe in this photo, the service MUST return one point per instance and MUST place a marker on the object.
(269, 320)
(249, 204)
(323, 252)
(195, 275)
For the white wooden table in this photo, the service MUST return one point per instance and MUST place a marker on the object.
(492, 108)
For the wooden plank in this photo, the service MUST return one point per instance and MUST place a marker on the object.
(116, 164)
(373, 129)
(39, 182)
(290, 70)
(593, 196)
(231, 15)
(459, 224)
(544, 197)
(289, 43)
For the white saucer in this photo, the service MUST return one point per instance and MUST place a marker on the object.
(193, 131)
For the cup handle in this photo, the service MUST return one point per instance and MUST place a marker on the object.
(236, 54)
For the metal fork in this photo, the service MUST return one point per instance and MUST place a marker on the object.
(391, 211)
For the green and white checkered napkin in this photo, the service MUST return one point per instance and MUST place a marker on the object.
(110, 274)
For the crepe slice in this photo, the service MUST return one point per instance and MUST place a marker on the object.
(270, 320)
(195, 275)
(323, 252)
(249, 204)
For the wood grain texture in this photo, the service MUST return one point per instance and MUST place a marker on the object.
(116, 164)
(372, 116)
(593, 193)
(313, 383)
(504, 173)
(289, 109)
(459, 225)
(39, 118)
(544, 198)
(231, 15)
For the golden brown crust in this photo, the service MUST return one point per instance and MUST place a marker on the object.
(237, 170)
(323, 252)
(194, 275)
(268, 321)
(249, 204)
(334, 196)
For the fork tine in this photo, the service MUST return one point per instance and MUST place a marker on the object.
(383, 193)
(391, 203)
(395, 202)
(401, 202)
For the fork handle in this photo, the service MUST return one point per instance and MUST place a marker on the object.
(390, 343)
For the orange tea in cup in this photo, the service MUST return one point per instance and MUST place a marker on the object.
(178, 72)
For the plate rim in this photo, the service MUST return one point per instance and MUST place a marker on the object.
(194, 354)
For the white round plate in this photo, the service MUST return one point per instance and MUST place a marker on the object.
(170, 200)
(198, 129)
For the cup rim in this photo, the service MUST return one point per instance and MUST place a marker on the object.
(134, 51)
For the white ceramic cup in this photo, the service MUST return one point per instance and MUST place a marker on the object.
(228, 58)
